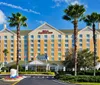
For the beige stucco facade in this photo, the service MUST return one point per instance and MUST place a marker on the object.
(45, 39)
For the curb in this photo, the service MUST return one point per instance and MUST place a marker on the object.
(16, 82)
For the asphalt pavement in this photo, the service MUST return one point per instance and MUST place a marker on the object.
(40, 80)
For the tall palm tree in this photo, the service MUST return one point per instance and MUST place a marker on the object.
(92, 19)
(73, 13)
(17, 20)
(5, 51)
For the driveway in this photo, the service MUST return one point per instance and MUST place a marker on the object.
(41, 80)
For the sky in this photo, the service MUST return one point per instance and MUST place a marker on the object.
(41, 11)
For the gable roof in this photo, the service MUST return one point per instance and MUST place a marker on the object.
(7, 30)
(48, 26)
(23, 32)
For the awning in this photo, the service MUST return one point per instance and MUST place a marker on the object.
(36, 63)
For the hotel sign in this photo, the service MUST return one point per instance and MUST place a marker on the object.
(45, 32)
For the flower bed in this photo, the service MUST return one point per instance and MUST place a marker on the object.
(7, 78)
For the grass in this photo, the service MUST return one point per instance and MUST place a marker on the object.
(88, 83)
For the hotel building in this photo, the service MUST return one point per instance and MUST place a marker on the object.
(45, 39)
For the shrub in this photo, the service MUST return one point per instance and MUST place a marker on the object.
(47, 73)
(83, 78)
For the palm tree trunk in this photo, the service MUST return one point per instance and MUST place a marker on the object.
(94, 42)
(18, 39)
(75, 44)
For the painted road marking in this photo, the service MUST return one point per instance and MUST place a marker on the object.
(59, 82)
(15, 83)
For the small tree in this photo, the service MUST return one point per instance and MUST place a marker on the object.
(5, 51)
(84, 59)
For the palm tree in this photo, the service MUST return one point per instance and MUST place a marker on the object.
(5, 51)
(73, 13)
(92, 19)
(17, 20)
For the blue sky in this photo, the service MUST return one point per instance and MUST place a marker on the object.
(40, 11)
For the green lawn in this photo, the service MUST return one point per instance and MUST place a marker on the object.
(85, 83)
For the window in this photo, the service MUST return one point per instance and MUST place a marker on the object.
(80, 49)
(52, 58)
(39, 36)
(25, 37)
(32, 59)
(80, 40)
(88, 45)
(12, 54)
(19, 50)
(59, 54)
(45, 49)
(66, 40)
(52, 36)
(59, 45)
(45, 45)
(66, 36)
(32, 50)
(12, 59)
(5, 45)
(5, 41)
(32, 41)
(59, 40)
(5, 37)
(12, 41)
(59, 36)
(32, 54)
(88, 36)
(32, 36)
(38, 40)
(12, 37)
(88, 40)
(52, 49)
(32, 45)
(12, 50)
(72, 36)
(72, 41)
(38, 45)
(52, 40)
(12, 45)
(80, 44)
(39, 50)
(59, 59)
(72, 45)
(45, 40)
(45, 36)
(66, 45)
(59, 49)
(52, 45)
(52, 54)
(80, 36)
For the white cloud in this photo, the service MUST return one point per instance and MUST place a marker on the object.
(73, 2)
(2, 17)
(19, 7)
(40, 21)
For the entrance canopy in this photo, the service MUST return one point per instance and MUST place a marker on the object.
(36, 63)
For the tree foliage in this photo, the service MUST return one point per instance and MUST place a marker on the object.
(84, 59)
(5, 51)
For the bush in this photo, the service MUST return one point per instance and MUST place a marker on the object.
(47, 73)
(83, 78)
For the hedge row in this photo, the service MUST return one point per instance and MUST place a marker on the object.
(47, 73)
(88, 72)
(83, 78)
